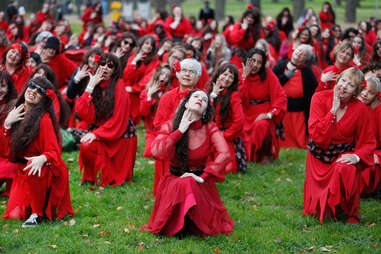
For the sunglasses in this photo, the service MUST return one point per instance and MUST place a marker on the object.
(34, 86)
(109, 65)
(128, 42)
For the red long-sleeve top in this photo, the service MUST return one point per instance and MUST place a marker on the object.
(237, 37)
(63, 67)
(182, 29)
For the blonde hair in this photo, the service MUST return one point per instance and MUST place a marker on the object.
(358, 78)
(341, 47)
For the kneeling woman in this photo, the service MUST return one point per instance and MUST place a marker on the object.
(340, 146)
(110, 146)
(41, 186)
(187, 200)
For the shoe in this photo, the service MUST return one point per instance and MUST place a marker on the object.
(354, 220)
(32, 221)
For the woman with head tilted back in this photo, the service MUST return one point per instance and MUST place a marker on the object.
(340, 146)
(371, 96)
(41, 187)
(264, 103)
(109, 147)
(187, 199)
(8, 95)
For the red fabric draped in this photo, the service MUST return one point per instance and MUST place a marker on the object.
(328, 186)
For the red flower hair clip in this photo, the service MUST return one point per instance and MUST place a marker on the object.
(50, 93)
(174, 6)
(299, 28)
(177, 66)
(363, 84)
(97, 58)
(249, 6)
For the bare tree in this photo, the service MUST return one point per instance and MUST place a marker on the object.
(220, 9)
(350, 11)
(298, 7)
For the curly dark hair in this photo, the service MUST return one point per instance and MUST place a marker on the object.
(262, 70)
(225, 110)
(104, 105)
(151, 55)
(255, 28)
(118, 43)
(374, 58)
(310, 39)
(24, 132)
(10, 97)
(182, 145)
(64, 106)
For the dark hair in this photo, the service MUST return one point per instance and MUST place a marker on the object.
(371, 67)
(24, 55)
(225, 110)
(151, 55)
(262, 70)
(182, 145)
(345, 34)
(24, 132)
(255, 28)
(330, 10)
(310, 41)
(64, 106)
(9, 97)
(230, 22)
(374, 57)
(104, 105)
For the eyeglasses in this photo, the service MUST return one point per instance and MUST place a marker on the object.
(109, 65)
(34, 86)
(193, 72)
(128, 42)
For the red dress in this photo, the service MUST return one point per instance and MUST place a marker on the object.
(46, 195)
(19, 77)
(113, 152)
(63, 67)
(262, 97)
(330, 185)
(133, 76)
(181, 30)
(232, 128)
(326, 20)
(183, 203)
(237, 37)
(371, 176)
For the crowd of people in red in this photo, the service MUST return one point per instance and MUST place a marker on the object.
(211, 98)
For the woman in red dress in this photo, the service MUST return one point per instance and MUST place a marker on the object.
(264, 103)
(41, 187)
(229, 115)
(140, 64)
(92, 14)
(327, 16)
(340, 146)
(178, 25)
(8, 95)
(187, 200)
(13, 61)
(149, 100)
(109, 148)
(343, 55)
(371, 96)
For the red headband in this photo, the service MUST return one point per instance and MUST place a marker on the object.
(16, 46)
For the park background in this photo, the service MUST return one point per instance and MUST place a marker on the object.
(266, 203)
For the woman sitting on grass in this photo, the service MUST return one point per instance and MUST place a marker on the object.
(341, 145)
(41, 187)
(187, 200)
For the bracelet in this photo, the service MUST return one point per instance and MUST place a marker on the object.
(89, 89)
(213, 95)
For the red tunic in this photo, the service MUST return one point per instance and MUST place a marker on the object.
(181, 30)
(111, 154)
(294, 122)
(19, 77)
(330, 84)
(182, 203)
(231, 128)
(262, 97)
(63, 67)
(237, 37)
(329, 185)
(371, 176)
(86, 18)
(46, 195)
(326, 20)
(133, 76)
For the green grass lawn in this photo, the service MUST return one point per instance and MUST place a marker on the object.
(266, 205)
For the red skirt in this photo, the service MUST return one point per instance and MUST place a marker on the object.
(181, 199)
(370, 179)
(329, 186)
(294, 131)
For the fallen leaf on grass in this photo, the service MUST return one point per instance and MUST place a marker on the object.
(279, 250)
(254, 207)
(326, 248)
(101, 188)
(174, 251)
(156, 240)
(107, 242)
(71, 159)
(96, 226)
(283, 171)
(217, 250)
(119, 208)
(5, 226)
(72, 222)
(53, 246)
(131, 226)
(97, 193)
(369, 224)
(376, 244)
(277, 240)
(85, 235)
(16, 231)
(278, 179)
(92, 187)
(239, 175)
(126, 230)
(103, 233)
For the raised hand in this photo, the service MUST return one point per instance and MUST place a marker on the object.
(217, 88)
(247, 68)
(336, 100)
(82, 72)
(36, 164)
(153, 89)
(329, 76)
(15, 115)
(88, 138)
(186, 121)
(196, 178)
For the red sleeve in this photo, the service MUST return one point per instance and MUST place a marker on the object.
(164, 109)
(116, 125)
(142, 82)
(216, 168)
(5, 139)
(84, 108)
(163, 146)
(322, 122)
(86, 15)
(131, 75)
(237, 115)
(278, 97)
(146, 107)
(237, 33)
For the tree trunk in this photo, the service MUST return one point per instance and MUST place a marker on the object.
(350, 11)
(159, 5)
(298, 7)
(256, 3)
(220, 9)
(31, 6)
(338, 2)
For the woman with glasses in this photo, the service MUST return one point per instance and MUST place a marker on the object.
(40, 188)
(139, 64)
(123, 48)
(187, 200)
(341, 145)
(264, 105)
(109, 147)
